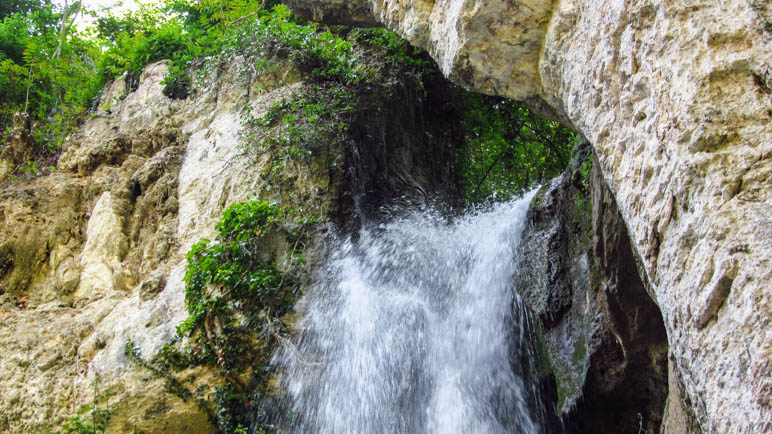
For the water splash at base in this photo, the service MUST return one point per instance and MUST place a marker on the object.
(415, 328)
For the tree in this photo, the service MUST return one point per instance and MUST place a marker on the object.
(24, 7)
(69, 15)
(47, 69)
(509, 148)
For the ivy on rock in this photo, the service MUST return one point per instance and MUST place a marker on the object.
(238, 286)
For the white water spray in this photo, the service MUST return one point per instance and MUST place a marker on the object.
(415, 328)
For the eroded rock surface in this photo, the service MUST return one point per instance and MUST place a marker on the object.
(599, 330)
(18, 146)
(675, 98)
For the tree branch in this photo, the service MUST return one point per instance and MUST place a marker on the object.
(65, 26)
(490, 168)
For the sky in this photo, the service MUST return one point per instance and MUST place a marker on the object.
(114, 6)
(96, 4)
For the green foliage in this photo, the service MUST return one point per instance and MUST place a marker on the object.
(89, 420)
(319, 115)
(345, 66)
(50, 78)
(234, 265)
(393, 50)
(585, 172)
(147, 36)
(234, 290)
(109, 27)
(244, 221)
(23, 7)
(184, 32)
(328, 55)
(509, 148)
(56, 80)
(582, 211)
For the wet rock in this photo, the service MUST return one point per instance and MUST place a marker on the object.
(152, 285)
(68, 275)
(105, 247)
(41, 224)
(603, 334)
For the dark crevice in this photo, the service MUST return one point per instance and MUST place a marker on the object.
(627, 379)
(601, 332)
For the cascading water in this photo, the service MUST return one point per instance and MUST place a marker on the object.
(415, 328)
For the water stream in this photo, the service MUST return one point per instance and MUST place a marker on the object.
(415, 328)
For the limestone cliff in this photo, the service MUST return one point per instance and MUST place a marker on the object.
(675, 98)
(93, 255)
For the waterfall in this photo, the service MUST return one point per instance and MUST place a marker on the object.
(414, 327)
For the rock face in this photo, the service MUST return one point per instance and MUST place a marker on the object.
(94, 255)
(675, 99)
(599, 330)
(19, 145)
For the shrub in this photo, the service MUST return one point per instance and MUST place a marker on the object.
(235, 290)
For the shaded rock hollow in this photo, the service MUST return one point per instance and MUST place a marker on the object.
(599, 331)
